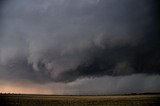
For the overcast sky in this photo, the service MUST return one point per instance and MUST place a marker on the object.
(79, 46)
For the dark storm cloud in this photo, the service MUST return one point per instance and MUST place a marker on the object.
(116, 85)
(63, 40)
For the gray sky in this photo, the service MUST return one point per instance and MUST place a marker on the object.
(79, 46)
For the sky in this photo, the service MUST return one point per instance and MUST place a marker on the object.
(79, 47)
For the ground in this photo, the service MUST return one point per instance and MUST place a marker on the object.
(71, 100)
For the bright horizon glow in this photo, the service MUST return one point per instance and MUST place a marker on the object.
(21, 90)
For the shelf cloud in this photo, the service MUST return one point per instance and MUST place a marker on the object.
(63, 41)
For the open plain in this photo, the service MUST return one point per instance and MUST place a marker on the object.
(72, 100)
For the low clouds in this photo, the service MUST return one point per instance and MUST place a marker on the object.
(64, 41)
(117, 85)
(137, 83)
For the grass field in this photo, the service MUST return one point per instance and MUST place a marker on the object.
(53, 100)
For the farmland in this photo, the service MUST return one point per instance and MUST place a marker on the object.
(64, 100)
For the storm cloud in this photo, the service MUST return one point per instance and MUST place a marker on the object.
(46, 41)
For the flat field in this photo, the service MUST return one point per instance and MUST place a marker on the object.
(57, 100)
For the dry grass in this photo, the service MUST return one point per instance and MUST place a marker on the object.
(53, 100)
